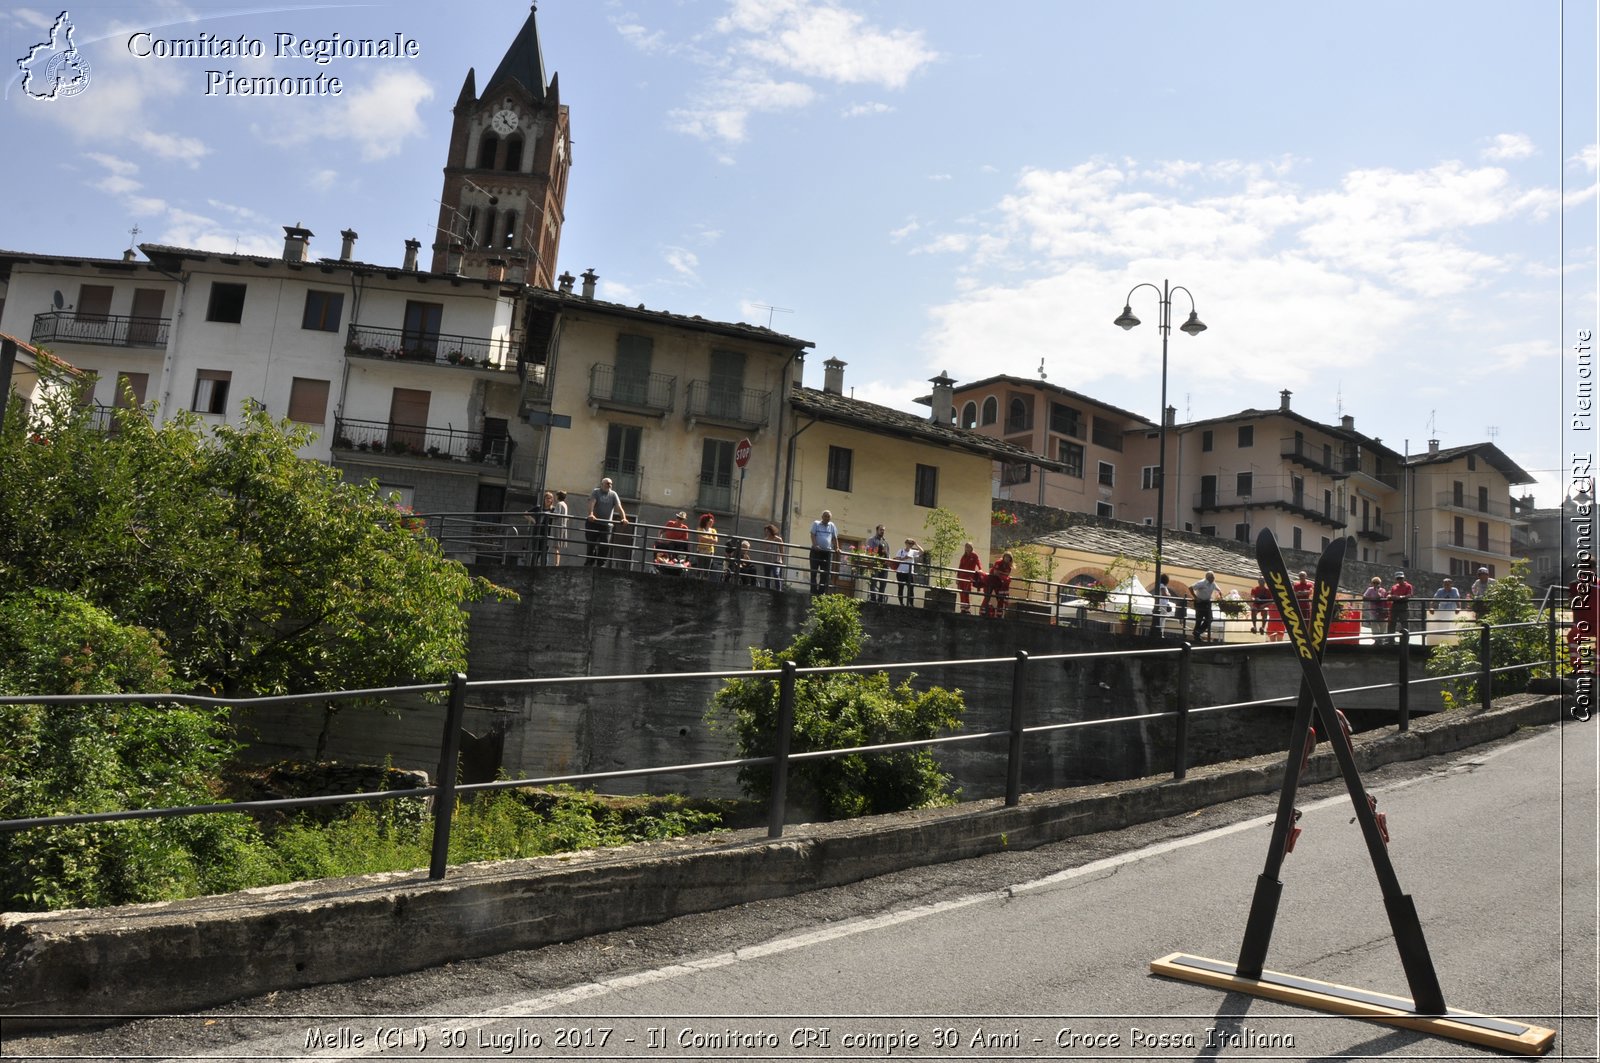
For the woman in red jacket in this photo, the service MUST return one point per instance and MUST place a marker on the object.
(997, 586)
(968, 569)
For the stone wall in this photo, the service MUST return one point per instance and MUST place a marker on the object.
(575, 621)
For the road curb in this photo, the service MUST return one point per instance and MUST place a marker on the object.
(180, 956)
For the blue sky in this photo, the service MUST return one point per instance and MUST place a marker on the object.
(1389, 209)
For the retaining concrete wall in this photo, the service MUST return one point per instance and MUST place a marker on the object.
(575, 621)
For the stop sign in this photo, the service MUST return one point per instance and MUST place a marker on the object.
(741, 453)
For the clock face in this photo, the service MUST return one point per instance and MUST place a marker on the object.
(504, 121)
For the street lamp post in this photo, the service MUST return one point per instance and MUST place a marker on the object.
(1194, 326)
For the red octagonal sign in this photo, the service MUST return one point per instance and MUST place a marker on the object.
(741, 453)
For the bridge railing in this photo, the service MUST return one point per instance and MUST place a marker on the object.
(447, 787)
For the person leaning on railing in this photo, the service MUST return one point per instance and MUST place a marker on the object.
(773, 553)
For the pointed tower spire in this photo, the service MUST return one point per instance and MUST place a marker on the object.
(523, 62)
(469, 90)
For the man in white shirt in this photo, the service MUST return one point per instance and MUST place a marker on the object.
(824, 542)
(1204, 592)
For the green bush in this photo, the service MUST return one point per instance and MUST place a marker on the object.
(1509, 601)
(838, 711)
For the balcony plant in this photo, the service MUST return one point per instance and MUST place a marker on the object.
(454, 357)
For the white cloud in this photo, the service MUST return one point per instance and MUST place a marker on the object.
(1507, 146)
(939, 177)
(324, 180)
(682, 262)
(1588, 157)
(772, 52)
(182, 149)
(724, 107)
(120, 167)
(905, 230)
(32, 19)
(117, 185)
(382, 114)
(1290, 279)
(861, 110)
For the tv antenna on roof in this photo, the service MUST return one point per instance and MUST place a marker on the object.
(771, 310)
(133, 236)
(1492, 431)
(1042, 374)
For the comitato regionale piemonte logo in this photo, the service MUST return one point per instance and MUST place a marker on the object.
(55, 68)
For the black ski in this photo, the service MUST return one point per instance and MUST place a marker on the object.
(1304, 633)
(1264, 904)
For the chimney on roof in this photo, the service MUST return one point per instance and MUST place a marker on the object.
(348, 248)
(412, 247)
(519, 270)
(944, 398)
(1433, 448)
(295, 240)
(452, 259)
(1348, 422)
(565, 280)
(589, 279)
(129, 254)
(1172, 416)
(1283, 400)
(833, 377)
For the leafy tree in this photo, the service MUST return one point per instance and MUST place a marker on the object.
(1509, 601)
(837, 711)
(260, 572)
(942, 537)
(102, 757)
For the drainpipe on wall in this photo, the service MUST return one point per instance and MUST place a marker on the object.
(777, 456)
(788, 479)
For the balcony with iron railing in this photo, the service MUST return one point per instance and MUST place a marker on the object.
(1470, 504)
(1481, 544)
(1356, 462)
(105, 330)
(739, 407)
(1313, 456)
(636, 392)
(1210, 501)
(1377, 531)
(418, 442)
(431, 348)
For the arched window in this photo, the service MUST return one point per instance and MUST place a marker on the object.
(1019, 416)
(487, 148)
(488, 227)
(509, 227)
(991, 410)
(969, 415)
(514, 153)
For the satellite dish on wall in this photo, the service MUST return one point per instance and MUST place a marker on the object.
(56, 299)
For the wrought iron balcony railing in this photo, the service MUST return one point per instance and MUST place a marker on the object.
(746, 407)
(646, 392)
(106, 330)
(439, 348)
(1470, 504)
(418, 441)
(1482, 545)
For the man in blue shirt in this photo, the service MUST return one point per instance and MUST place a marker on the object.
(824, 541)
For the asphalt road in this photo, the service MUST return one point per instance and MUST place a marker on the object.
(1035, 955)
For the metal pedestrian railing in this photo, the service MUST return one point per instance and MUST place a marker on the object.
(447, 788)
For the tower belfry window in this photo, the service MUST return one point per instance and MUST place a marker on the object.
(514, 153)
(488, 227)
(509, 227)
(488, 147)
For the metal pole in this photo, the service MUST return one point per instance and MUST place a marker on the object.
(1014, 752)
(1551, 636)
(444, 802)
(780, 751)
(8, 361)
(1164, 322)
(1180, 742)
(1405, 679)
(1486, 676)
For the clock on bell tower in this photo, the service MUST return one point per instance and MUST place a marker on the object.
(505, 177)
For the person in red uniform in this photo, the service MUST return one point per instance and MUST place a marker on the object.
(1303, 590)
(1399, 601)
(997, 586)
(1260, 599)
(968, 569)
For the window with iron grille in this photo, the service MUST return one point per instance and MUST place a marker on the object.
(1065, 420)
(1149, 477)
(1108, 474)
(1071, 455)
(1107, 434)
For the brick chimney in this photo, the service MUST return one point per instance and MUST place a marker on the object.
(944, 398)
(295, 240)
(348, 248)
(412, 247)
(833, 377)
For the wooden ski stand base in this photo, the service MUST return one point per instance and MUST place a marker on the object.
(1425, 1009)
(1506, 1035)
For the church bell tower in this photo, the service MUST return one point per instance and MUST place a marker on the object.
(505, 179)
